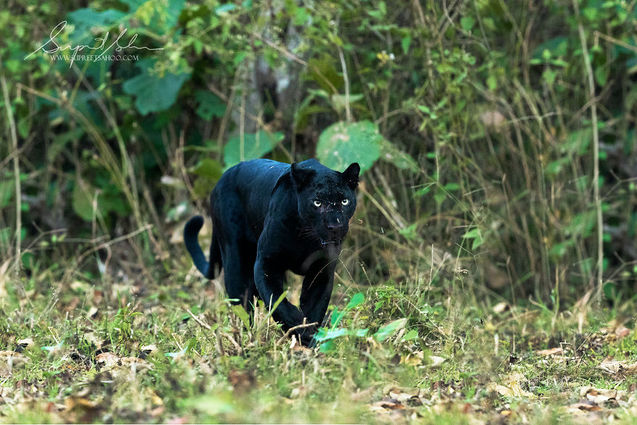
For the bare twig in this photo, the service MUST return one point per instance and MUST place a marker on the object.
(616, 41)
(103, 245)
(202, 324)
(293, 328)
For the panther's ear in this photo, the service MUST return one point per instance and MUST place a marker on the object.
(301, 176)
(351, 175)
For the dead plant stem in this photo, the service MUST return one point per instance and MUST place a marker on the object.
(596, 196)
(16, 176)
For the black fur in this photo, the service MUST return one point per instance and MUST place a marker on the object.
(269, 217)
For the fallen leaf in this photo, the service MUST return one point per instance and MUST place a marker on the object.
(500, 307)
(92, 312)
(179, 420)
(403, 394)
(154, 398)
(513, 388)
(242, 381)
(585, 406)
(601, 396)
(146, 350)
(615, 367)
(550, 351)
(80, 410)
(363, 395)
(388, 404)
(492, 118)
(72, 305)
(622, 332)
(157, 411)
(414, 359)
(107, 359)
(135, 364)
(24, 343)
(12, 357)
(436, 361)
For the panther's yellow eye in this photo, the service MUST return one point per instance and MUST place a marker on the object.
(345, 201)
(317, 203)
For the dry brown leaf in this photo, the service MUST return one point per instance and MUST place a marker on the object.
(388, 404)
(157, 411)
(25, 342)
(107, 359)
(585, 406)
(599, 396)
(512, 387)
(81, 410)
(241, 381)
(614, 367)
(622, 332)
(414, 359)
(404, 394)
(363, 395)
(550, 351)
(92, 312)
(179, 420)
(135, 364)
(436, 361)
(492, 118)
(148, 349)
(10, 359)
(72, 305)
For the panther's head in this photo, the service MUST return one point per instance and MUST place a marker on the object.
(326, 200)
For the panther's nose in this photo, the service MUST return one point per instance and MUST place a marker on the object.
(334, 226)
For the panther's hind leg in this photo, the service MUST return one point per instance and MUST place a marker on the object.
(238, 253)
(238, 263)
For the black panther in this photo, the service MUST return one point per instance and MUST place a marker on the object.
(269, 217)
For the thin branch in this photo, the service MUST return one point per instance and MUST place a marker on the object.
(292, 329)
(202, 324)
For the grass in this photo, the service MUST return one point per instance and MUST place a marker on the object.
(172, 349)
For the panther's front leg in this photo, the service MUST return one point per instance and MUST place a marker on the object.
(269, 282)
(317, 290)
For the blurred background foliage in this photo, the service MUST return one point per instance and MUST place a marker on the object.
(471, 120)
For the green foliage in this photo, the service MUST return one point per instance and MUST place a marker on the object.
(343, 143)
(153, 91)
(251, 146)
(472, 126)
(209, 105)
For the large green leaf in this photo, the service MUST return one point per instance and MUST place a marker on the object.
(343, 143)
(389, 329)
(84, 20)
(7, 189)
(254, 145)
(209, 105)
(404, 161)
(154, 92)
(82, 200)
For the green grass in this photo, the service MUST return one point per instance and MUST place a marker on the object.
(128, 351)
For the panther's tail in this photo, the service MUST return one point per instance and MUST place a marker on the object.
(191, 230)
